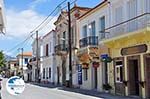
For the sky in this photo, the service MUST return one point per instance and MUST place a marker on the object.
(22, 16)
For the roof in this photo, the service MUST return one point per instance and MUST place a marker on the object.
(71, 10)
(48, 33)
(104, 1)
(25, 54)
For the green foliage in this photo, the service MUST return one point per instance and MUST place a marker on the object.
(2, 59)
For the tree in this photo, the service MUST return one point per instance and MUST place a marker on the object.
(2, 59)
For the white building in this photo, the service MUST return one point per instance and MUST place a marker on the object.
(2, 17)
(48, 67)
(33, 61)
(89, 26)
(26, 56)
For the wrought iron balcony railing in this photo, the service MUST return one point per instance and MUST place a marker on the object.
(134, 24)
(61, 47)
(89, 41)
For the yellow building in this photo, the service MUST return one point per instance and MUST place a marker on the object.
(130, 51)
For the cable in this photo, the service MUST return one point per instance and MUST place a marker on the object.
(41, 24)
(48, 16)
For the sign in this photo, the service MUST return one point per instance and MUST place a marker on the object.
(95, 64)
(104, 56)
(85, 65)
(79, 74)
(134, 49)
(15, 85)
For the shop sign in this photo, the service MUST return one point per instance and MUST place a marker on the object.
(134, 49)
(79, 74)
(85, 65)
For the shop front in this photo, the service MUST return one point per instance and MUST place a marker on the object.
(131, 64)
(90, 68)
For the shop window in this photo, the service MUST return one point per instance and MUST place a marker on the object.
(85, 71)
(119, 71)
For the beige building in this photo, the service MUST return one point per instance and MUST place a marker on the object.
(2, 17)
(12, 65)
(61, 48)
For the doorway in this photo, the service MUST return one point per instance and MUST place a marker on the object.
(58, 72)
(95, 78)
(133, 73)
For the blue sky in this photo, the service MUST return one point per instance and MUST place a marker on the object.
(22, 16)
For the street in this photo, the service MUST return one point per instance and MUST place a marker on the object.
(37, 92)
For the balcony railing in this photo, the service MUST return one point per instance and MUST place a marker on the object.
(134, 24)
(61, 47)
(89, 41)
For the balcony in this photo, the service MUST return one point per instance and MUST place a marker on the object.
(61, 48)
(89, 41)
(127, 27)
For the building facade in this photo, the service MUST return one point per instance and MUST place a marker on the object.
(2, 17)
(127, 41)
(33, 60)
(90, 26)
(23, 60)
(12, 65)
(61, 48)
(48, 58)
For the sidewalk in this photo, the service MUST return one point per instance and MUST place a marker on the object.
(85, 92)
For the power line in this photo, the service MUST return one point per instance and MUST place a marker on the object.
(42, 24)
(48, 16)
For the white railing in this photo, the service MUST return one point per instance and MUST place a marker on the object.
(137, 23)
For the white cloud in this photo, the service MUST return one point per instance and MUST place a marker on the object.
(20, 24)
(36, 3)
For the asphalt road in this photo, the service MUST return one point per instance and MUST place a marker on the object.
(37, 92)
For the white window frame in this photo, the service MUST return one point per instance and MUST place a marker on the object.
(118, 66)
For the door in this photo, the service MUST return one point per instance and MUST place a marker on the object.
(148, 77)
(95, 76)
(58, 72)
(133, 77)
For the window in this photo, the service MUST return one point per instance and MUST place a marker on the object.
(92, 29)
(26, 60)
(132, 12)
(64, 37)
(43, 73)
(46, 73)
(102, 27)
(84, 31)
(85, 71)
(118, 15)
(49, 72)
(146, 6)
(50, 47)
(46, 49)
(119, 71)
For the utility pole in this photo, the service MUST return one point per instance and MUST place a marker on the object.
(22, 60)
(37, 57)
(70, 47)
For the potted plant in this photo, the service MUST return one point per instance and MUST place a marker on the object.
(107, 87)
